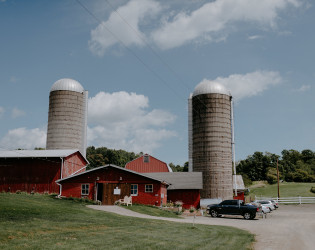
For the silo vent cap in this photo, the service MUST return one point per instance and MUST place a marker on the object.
(67, 84)
(210, 87)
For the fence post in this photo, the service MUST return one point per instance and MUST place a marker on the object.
(300, 200)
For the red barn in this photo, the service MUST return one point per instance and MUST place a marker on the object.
(110, 183)
(148, 164)
(184, 186)
(37, 170)
(240, 188)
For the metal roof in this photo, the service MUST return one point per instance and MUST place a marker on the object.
(180, 180)
(210, 87)
(67, 84)
(37, 153)
(239, 182)
(117, 167)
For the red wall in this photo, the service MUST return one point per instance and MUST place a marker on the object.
(36, 174)
(189, 197)
(27, 175)
(153, 198)
(154, 165)
(240, 196)
(72, 187)
(72, 164)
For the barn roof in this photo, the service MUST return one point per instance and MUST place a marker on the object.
(151, 166)
(239, 183)
(38, 153)
(180, 180)
(113, 166)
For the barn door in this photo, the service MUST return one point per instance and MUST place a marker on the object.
(109, 196)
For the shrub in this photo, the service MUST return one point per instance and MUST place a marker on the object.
(313, 190)
(178, 204)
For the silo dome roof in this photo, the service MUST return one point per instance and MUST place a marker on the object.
(210, 87)
(67, 84)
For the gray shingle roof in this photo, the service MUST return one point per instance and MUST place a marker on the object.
(37, 153)
(180, 180)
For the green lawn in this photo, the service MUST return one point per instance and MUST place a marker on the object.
(42, 222)
(287, 189)
(150, 210)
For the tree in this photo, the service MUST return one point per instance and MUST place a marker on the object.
(101, 156)
(293, 166)
(179, 168)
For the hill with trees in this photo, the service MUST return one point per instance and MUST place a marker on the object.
(101, 156)
(294, 166)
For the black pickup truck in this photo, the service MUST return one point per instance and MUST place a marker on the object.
(233, 207)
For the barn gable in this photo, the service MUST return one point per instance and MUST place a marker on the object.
(110, 183)
(148, 164)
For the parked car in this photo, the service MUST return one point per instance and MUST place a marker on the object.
(263, 207)
(233, 207)
(275, 203)
(266, 203)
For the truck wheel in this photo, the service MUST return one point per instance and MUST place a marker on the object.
(247, 216)
(213, 213)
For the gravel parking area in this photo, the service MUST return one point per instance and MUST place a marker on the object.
(289, 227)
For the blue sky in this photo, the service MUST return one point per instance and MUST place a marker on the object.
(140, 60)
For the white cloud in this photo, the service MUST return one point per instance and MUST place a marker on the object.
(210, 22)
(303, 88)
(116, 29)
(255, 37)
(250, 84)
(24, 138)
(214, 17)
(17, 113)
(2, 110)
(13, 79)
(122, 120)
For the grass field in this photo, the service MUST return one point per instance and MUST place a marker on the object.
(153, 211)
(42, 222)
(287, 189)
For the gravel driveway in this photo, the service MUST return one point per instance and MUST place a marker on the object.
(289, 227)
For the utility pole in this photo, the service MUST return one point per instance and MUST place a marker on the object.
(278, 179)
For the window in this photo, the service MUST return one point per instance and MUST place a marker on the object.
(146, 158)
(85, 189)
(149, 188)
(134, 189)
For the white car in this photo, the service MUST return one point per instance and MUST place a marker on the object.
(275, 203)
(264, 209)
(267, 204)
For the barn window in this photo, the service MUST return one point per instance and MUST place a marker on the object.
(146, 158)
(134, 189)
(149, 188)
(85, 189)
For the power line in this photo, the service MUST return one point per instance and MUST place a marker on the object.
(135, 55)
(129, 49)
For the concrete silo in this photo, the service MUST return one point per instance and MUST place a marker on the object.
(67, 117)
(210, 139)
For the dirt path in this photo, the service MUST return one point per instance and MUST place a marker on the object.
(289, 227)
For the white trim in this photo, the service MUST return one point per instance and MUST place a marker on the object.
(78, 170)
(113, 166)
